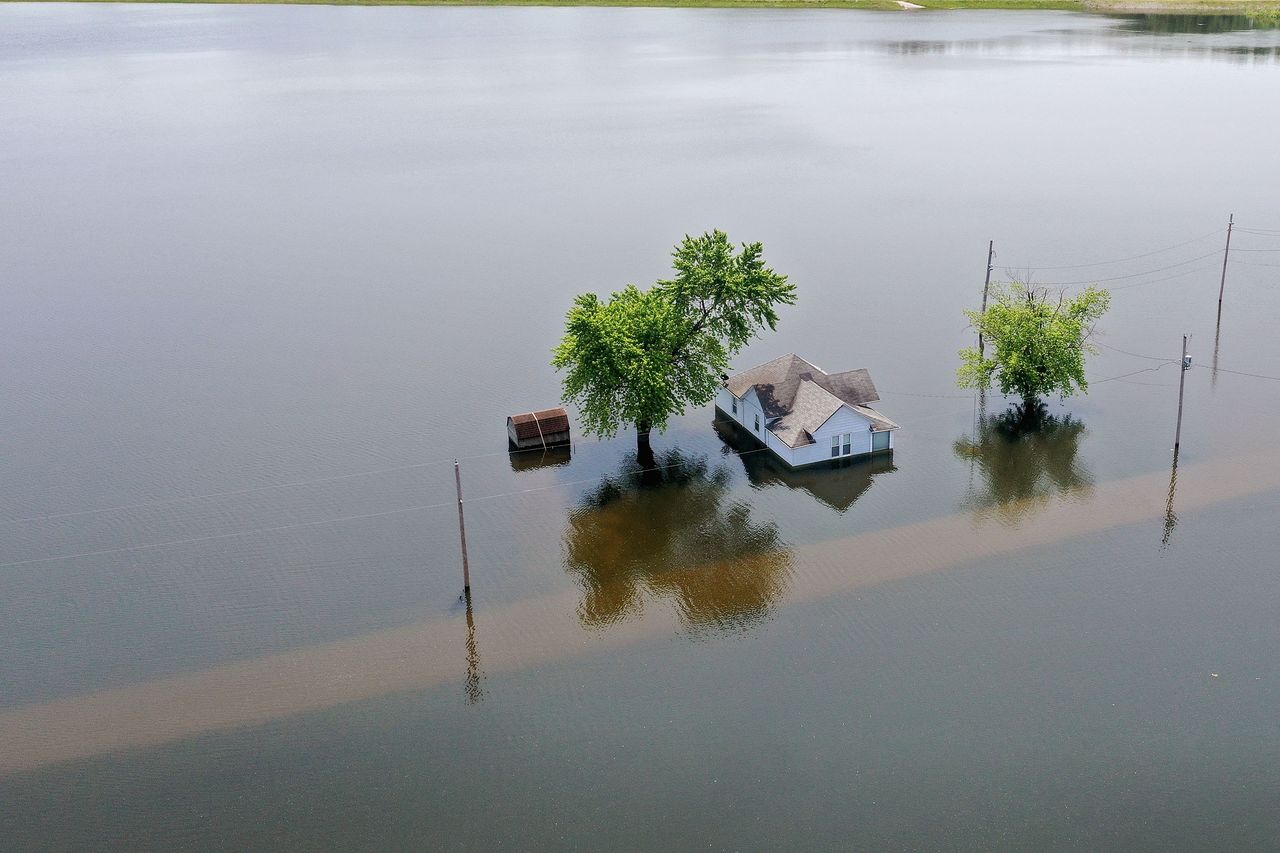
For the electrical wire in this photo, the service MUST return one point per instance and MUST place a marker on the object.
(265, 488)
(1212, 233)
(232, 535)
(1129, 275)
(1175, 361)
(1126, 375)
(226, 494)
(1237, 372)
(1254, 263)
(1182, 274)
(1134, 354)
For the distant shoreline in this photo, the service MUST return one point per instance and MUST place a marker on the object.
(1266, 12)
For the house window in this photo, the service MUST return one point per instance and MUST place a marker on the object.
(848, 447)
(735, 405)
(835, 446)
(880, 440)
(757, 423)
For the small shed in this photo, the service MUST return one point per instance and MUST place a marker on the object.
(547, 428)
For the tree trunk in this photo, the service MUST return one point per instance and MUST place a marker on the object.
(644, 450)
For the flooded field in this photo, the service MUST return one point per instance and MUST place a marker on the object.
(268, 271)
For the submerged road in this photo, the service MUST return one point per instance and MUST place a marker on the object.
(545, 630)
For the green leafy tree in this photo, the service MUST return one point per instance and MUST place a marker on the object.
(645, 355)
(1036, 342)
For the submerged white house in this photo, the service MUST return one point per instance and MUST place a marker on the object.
(806, 415)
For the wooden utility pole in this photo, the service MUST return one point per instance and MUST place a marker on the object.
(1182, 381)
(462, 532)
(986, 285)
(1222, 285)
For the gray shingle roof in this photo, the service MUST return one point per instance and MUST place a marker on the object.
(799, 397)
(810, 409)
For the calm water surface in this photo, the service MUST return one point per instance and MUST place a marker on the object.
(267, 271)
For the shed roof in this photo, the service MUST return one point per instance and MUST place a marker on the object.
(543, 423)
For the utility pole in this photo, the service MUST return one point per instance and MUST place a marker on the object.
(1182, 381)
(462, 532)
(986, 285)
(1222, 285)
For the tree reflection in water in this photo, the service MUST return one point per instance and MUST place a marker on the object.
(674, 533)
(1025, 456)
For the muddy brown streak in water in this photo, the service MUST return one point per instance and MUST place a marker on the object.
(543, 630)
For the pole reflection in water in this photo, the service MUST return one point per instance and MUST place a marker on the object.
(1170, 517)
(837, 484)
(1217, 339)
(1026, 457)
(673, 533)
(473, 683)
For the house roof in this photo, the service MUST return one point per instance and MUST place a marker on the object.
(543, 423)
(799, 397)
(777, 381)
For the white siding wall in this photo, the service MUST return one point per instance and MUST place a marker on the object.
(845, 420)
(724, 401)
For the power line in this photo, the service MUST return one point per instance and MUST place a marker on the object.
(212, 537)
(1214, 253)
(1182, 274)
(1238, 372)
(934, 396)
(1173, 361)
(1134, 354)
(321, 522)
(257, 489)
(1126, 375)
(1212, 233)
(226, 494)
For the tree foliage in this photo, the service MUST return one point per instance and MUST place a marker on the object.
(1036, 342)
(645, 355)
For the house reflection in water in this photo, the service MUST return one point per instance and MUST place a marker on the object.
(674, 533)
(1024, 459)
(838, 484)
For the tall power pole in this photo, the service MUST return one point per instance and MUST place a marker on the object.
(462, 534)
(1182, 381)
(1222, 285)
(986, 285)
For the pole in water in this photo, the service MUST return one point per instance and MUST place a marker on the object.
(462, 533)
(986, 285)
(1182, 381)
(1222, 285)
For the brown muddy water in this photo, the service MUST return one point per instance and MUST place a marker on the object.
(268, 270)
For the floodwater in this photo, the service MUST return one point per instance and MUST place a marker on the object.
(267, 271)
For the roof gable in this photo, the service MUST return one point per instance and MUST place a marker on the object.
(777, 382)
(799, 397)
(812, 407)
